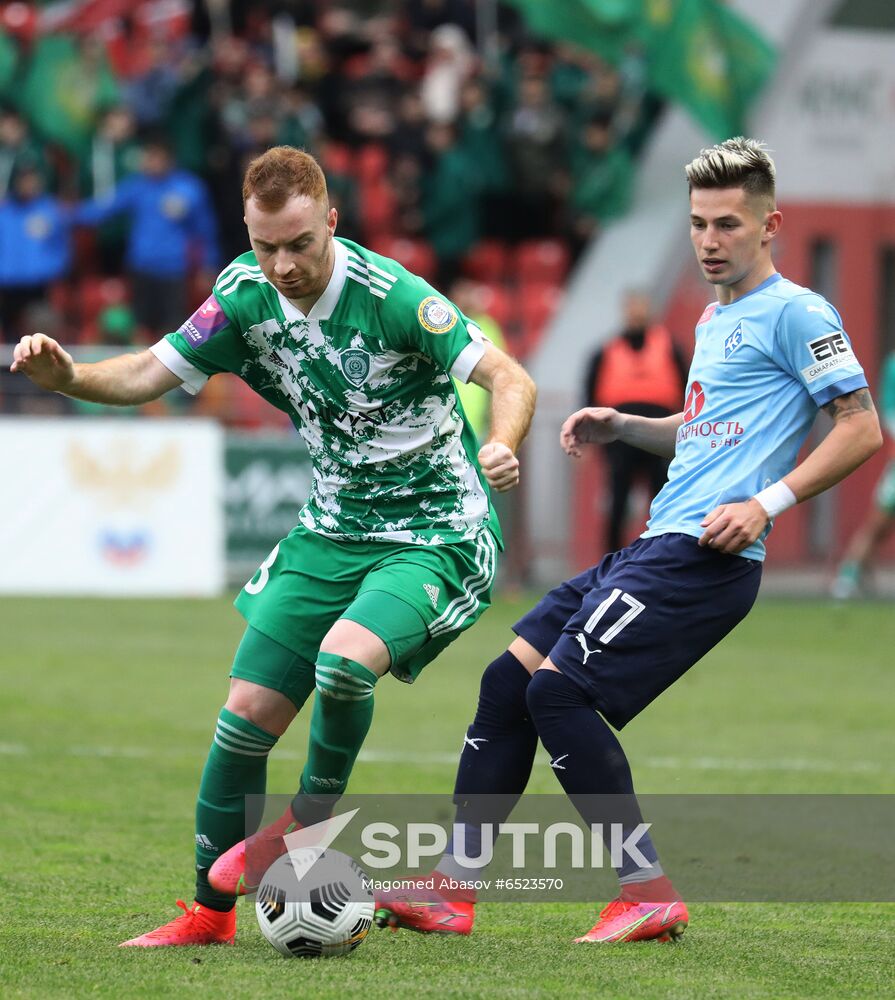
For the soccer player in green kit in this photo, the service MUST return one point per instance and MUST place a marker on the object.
(394, 552)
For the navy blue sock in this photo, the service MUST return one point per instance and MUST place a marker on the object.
(589, 761)
(498, 753)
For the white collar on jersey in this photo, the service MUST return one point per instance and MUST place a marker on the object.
(323, 307)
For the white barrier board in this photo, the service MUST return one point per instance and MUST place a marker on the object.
(114, 507)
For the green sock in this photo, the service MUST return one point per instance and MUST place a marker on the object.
(236, 767)
(343, 711)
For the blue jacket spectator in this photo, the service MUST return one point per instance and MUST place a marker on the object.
(172, 225)
(35, 248)
(173, 230)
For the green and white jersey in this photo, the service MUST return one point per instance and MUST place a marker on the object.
(366, 379)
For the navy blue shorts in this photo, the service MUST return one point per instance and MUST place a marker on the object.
(626, 629)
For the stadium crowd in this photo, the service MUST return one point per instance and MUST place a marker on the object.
(490, 164)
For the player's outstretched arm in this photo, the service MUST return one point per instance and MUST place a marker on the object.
(602, 424)
(126, 380)
(854, 438)
(513, 395)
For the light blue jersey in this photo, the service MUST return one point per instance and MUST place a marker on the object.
(761, 368)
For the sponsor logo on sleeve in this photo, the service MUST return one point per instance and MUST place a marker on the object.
(436, 315)
(205, 322)
(829, 353)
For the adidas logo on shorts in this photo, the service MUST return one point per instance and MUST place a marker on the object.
(433, 592)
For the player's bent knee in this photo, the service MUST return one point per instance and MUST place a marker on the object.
(357, 643)
(342, 680)
(262, 706)
(526, 654)
(501, 703)
(551, 689)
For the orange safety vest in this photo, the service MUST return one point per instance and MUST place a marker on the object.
(649, 375)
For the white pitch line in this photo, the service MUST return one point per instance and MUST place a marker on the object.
(370, 756)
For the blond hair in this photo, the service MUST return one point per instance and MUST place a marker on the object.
(735, 163)
(280, 173)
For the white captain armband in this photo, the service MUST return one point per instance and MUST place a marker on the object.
(776, 498)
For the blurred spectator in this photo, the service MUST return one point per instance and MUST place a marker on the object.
(19, 146)
(451, 201)
(114, 155)
(571, 74)
(409, 135)
(372, 93)
(424, 16)
(35, 247)
(407, 181)
(602, 174)
(641, 371)
(191, 123)
(150, 92)
(256, 95)
(535, 138)
(599, 98)
(116, 322)
(480, 143)
(450, 63)
(172, 230)
(301, 122)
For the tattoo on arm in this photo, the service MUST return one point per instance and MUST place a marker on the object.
(849, 404)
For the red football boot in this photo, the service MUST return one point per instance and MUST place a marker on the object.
(196, 925)
(427, 906)
(234, 875)
(626, 920)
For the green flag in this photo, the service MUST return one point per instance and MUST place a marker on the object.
(708, 59)
(603, 26)
(65, 88)
(699, 53)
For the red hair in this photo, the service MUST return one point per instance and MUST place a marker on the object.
(280, 173)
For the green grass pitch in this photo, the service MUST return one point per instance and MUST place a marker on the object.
(107, 708)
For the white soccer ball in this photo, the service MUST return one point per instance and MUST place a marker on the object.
(314, 904)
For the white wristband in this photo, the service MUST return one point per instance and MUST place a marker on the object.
(776, 498)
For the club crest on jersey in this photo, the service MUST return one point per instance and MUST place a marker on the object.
(733, 341)
(355, 365)
(436, 315)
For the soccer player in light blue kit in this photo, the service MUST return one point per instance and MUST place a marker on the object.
(601, 646)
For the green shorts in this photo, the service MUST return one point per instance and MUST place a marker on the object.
(885, 490)
(416, 598)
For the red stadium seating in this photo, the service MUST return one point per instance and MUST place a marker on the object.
(541, 262)
(415, 255)
(377, 208)
(84, 257)
(538, 304)
(370, 164)
(487, 261)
